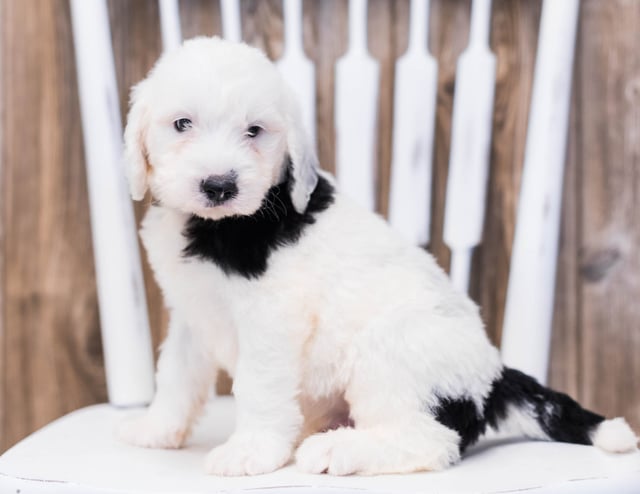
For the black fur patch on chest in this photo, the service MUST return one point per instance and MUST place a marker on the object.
(241, 245)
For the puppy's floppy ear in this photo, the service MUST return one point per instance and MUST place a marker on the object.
(304, 163)
(135, 152)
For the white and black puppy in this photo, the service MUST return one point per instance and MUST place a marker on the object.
(318, 310)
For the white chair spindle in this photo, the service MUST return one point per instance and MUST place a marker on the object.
(230, 11)
(170, 24)
(415, 93)
(296, 68)
(78, 453)
(123, 310)
(530, 293)
(470, 146)
(356, 102)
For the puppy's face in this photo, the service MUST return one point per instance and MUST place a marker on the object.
(212, 128)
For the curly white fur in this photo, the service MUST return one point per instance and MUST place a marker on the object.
(350, 313)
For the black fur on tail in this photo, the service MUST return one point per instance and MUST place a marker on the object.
(560, 417)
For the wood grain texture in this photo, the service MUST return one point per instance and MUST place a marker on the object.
(262, 25)
(382, 46)
(566, 339)
(609, 256)
(448, 36)
(325, 40)
(52, 357)
(596, 343)
(137, 43)
(200, 18)
(514, 35)
(50, 352)
(3, 381)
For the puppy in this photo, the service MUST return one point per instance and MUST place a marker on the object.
(318, 310)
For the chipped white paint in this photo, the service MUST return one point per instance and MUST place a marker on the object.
(230, 11)
(123, 309)
(296, 68)
(54, 460)
(470, 145)
(170, 24)
(356, 103)
(530, 292)
(413, 128)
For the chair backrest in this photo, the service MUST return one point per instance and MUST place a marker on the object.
(527, 326)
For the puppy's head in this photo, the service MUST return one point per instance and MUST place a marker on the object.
(212, 128)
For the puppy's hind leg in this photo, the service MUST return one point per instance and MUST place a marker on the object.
(394, 432)
(414, 442)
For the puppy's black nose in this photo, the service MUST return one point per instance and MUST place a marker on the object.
(219, 188)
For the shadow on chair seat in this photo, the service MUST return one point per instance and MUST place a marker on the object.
(79, 454)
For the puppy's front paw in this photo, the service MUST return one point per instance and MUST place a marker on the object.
(149, 431)
(249, 453)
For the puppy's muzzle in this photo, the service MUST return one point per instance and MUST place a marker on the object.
(220, 188)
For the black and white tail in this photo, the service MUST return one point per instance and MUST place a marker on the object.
(522, 405)
(518, 405)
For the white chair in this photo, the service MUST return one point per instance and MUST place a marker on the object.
(79, 454)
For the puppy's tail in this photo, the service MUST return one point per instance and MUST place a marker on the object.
(518, 404)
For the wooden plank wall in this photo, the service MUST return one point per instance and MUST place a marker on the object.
(50, 352)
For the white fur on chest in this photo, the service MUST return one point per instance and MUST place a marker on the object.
(347, 285)
(195, 291)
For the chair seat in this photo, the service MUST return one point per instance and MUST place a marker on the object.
(78, 454)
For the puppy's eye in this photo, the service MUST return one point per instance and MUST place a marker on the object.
(253, 131)
(182, 124)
